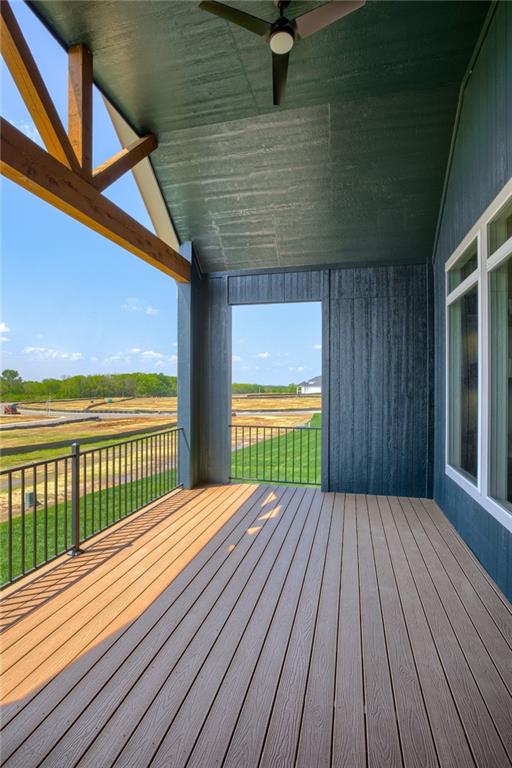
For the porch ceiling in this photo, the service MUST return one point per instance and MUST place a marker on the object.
(349, 170)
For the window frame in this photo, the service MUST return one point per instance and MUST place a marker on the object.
(486, 264)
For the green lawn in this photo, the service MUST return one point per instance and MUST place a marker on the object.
(50, 529)
(292, 457)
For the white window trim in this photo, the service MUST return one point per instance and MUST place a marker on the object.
(479, 232)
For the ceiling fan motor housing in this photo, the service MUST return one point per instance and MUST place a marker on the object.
(282, 36)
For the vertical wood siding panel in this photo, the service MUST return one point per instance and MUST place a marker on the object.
(375, 367)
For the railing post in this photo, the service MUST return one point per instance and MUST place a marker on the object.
(75, 500)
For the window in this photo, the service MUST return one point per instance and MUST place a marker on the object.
(463, 374)
(479, 360)
(501, 384)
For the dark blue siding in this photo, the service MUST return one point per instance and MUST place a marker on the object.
(376, 358)
(481, 166)
(378, 376)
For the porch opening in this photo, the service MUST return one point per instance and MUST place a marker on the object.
(276, 398)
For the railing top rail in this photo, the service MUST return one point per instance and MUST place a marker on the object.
(139, 439)
(54, 459)
(274, 426)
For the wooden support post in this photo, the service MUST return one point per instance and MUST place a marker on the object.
(80, 106)
(29, 82)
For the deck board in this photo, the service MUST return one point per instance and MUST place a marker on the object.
(261, 626)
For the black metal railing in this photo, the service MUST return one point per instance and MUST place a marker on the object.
(52, 506)
(290, 455)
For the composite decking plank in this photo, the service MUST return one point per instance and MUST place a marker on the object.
(212, 645)
(161, 678)
(40, 624)
(490, 684)
(315, 740)
(496, 603)
(414, 728)
(95, 590)
(383, 743)
(213, 727)
(22, 598)
(449, 736)
(281, 740)
(249, 728)
(119, 677)
(245, 640)
(494, 642)
(349, 735)
(95, 620)
(94, 669)
(478, 725)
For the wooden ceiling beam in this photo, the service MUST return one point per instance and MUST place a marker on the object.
(27, 164)
(27, 77)
(80, 105)
(105, 175)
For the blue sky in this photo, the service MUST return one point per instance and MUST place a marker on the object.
(72, 302)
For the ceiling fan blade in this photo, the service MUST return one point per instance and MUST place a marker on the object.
(252, 23)
(315, 20)
(279, 75)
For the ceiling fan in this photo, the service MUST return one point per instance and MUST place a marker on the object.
(283, 33)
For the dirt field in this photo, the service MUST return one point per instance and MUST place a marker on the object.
(155, 404)
(71, 432)
(19, 418)
(301, 402)
(170, 404)
(83, 404)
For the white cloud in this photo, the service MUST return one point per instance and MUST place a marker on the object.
(173, 359)
(237, 359)
(263, 355)
(298, 368)
(317, 346)
(4, 338)
(134, 304)
(45, 353)
(151, 354)
(134, 350)
(4, 328)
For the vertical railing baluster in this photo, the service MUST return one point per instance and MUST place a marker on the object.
(46, 511)
(55, 507)
(65, 503)
(131, 475)
(34, 517)
(23, 521)
(119, 483)
(75, 498)
(125, 479)
(84, 489)
(93, 492)
(107, 500)
(9, 524)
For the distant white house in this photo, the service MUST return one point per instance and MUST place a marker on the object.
(311, 387)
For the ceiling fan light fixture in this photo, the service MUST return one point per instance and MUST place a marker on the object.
(281, 41)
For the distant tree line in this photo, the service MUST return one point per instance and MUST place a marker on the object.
(14, 389)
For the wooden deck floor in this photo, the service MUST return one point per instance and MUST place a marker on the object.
(264, 626)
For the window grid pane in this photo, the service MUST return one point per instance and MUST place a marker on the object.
(464, 267)
(463, 383)
(500, 228)
(500, 290)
